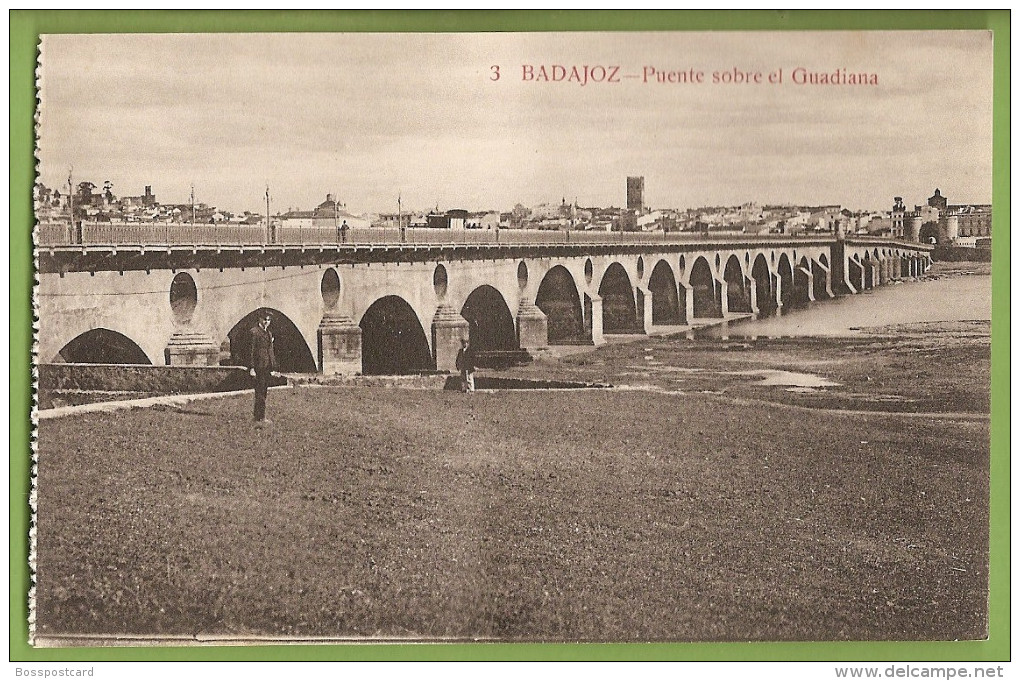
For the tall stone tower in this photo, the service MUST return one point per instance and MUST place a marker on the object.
(938, 201)
(898, 213)
(636, 193)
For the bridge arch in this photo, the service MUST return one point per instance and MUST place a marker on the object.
(738, 294)
(392, 339)
(707, 299)
(559, 300)
(101, 346)
(869, 271)
(764, 289)
(619, 311)
(802, 282)
(489, 319)
(785, 272)
(665, 301)
(685, 299)
(855, 272)
(289, 346)
(819, 275)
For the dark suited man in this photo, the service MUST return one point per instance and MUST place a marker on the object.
(262, 364)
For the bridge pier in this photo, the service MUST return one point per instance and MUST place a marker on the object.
(686, 300)
(532, 327)
(753, 295)
(339, 344)
(448, 328)
(191, 348)
(873, 274)
(644, 308)
(845, 283)
(822, 280)
(808, 288)
(597, 329)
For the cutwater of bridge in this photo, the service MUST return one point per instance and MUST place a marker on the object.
(404, 309)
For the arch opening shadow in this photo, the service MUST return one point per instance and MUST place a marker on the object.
(818, 276)
(929, 233)
(785, 269)
(491, 325)
(588, 316)
(619, 312)
(707, 298)
(869, 271)
(101, 346)
(665, 299)
(764, 289)
(289, 346)
(801, 283)
(558, 299)
(855, 273)
(738, 294)
(392, 340)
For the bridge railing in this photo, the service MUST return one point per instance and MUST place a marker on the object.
(157, 234)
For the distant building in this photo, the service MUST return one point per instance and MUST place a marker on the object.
(636, 193)
(329, 213)
(451, 219)
(958, 224)
(627, 222)
(938, 201)
(897, 215)
(146, 200)
(974, 221)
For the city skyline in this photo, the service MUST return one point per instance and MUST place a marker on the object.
(371, 117)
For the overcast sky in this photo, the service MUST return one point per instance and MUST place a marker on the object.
(371, 116)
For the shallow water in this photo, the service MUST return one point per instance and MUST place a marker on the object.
(795, 379)
(967, 297)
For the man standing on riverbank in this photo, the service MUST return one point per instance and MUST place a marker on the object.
(466, 365)
(262, 364)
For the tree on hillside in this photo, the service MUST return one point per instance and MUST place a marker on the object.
(84, 195)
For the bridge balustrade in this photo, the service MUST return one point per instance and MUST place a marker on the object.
(54, 233)
(113, 233)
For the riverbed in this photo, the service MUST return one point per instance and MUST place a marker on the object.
(918, 347)
(950, 294)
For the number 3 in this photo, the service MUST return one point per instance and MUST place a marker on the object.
(495, 72)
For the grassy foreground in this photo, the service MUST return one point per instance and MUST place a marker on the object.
(573, 515)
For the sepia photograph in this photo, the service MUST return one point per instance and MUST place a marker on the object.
(528, 337)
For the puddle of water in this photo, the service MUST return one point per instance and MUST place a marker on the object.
(769, 377)
(663, 369)
(796, 379)
(497, 383)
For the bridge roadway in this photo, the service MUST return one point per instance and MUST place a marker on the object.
(403, 307)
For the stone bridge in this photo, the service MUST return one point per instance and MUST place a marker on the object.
(402, 308)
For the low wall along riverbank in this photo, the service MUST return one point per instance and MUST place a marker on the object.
(71, 384)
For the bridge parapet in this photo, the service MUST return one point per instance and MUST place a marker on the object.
(176, 234)
(60, 258)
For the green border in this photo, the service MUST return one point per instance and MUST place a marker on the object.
(25, 27)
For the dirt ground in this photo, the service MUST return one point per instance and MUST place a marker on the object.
(691, 502)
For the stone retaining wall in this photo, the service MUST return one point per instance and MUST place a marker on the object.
(85, 383)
